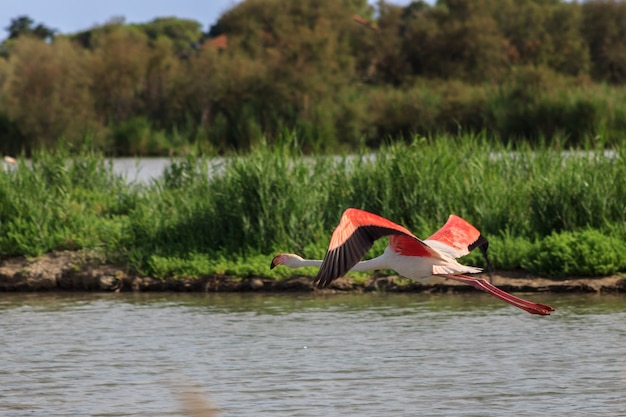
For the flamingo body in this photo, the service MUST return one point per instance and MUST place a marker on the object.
(406, 254)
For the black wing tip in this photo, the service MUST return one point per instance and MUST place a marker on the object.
(322, 280)
(483, 244)
(325, 276)
(479, 243)
(340, 260)
(319, 283)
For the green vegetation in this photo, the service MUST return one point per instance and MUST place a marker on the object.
(550, 212)
(511, 70)
(497, 110)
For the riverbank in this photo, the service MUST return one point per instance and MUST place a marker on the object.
(67, 271)
(557, 214)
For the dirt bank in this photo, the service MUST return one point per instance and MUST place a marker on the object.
(58, 271)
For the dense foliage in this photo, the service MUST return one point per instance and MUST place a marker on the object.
(334, 72)
(552, 213)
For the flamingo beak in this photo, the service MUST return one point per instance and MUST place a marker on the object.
(273, 264)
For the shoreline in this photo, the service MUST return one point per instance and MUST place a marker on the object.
(64, 271)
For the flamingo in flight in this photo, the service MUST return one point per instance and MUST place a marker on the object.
(406, 254)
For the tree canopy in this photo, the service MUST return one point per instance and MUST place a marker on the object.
(25, 26)
(338, 72)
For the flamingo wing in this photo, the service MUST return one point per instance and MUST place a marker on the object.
(355, 235)
(457, 238)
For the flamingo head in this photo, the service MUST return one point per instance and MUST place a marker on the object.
(288, 259)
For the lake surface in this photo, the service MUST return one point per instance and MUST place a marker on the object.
(143, 170)
(146, 169)
(69, 354)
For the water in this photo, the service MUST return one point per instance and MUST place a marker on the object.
(146, 169)
(310, 355)
(141, 170)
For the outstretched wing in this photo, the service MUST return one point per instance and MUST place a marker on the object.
(457, 238)
(355, 235)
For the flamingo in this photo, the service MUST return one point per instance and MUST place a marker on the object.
(409, 256)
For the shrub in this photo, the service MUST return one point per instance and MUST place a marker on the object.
(582, 253)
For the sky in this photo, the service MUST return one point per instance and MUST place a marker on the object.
(70, 16)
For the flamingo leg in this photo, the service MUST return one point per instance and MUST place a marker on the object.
(481, 284)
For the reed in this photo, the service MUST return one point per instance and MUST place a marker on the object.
(199, 219)
(62, 201)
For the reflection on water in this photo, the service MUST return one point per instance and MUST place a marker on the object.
(311, 355)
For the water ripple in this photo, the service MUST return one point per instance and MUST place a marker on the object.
(302, 355)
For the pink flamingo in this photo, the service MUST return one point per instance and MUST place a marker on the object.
(406, 254)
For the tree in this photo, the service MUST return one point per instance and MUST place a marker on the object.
(185, 34)
(24, 25)
(542, 33)
(456, 39)
(119, 63)
(604, 29)
(388, 57)
(47, 94)
(570, 51)
(305, 48)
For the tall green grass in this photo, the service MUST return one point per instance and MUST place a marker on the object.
(549, 212)
(62, 201)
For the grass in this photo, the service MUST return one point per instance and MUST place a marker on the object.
(550, 212)
(62, 202)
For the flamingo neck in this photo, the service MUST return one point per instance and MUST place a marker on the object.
(370, 265)
(362, 266)
(301, 263)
